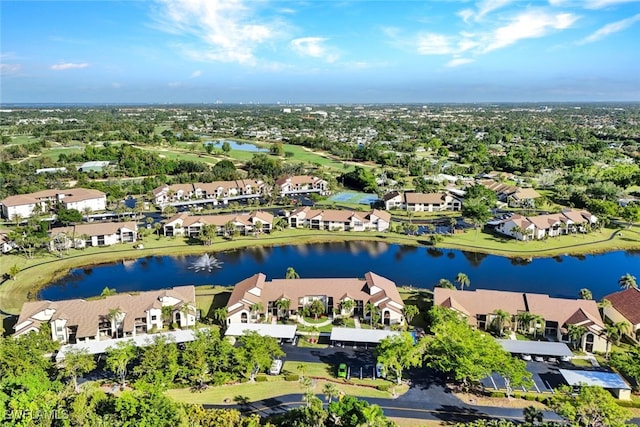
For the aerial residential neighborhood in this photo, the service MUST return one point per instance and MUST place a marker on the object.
(319, 213)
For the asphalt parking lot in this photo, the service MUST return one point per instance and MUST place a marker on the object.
(545, 375)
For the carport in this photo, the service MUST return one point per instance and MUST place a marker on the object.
(607, 380)
(356, 336)
(143, 340)
(281, 332)
(540, 348)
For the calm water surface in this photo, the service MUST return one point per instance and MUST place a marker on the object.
(406, 265)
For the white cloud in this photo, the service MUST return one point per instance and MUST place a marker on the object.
(611, 28)
(528, 25)
(487, 6)
(228, 29)
(175, 84)
(196, 73)
(116, 85)
(69, 66)
(314, 47)
(599, 4)
(435, 44)
(483, 7)
(6, 69)
(456, 62)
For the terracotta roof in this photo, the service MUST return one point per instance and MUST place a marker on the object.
(484, 301)
(95, 229)
(425, 198)
(69, 195)
(627, 303)
(87, 314)
(546, 221)
(575, 216)
(294, 289)
(526, 193)
(383, 215)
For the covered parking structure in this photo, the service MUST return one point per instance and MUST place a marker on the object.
(355, 336)
(607, 380)
(536, 348)
(143, 340)
(280, 332)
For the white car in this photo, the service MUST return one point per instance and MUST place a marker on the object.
(379, 370)
(526, 357)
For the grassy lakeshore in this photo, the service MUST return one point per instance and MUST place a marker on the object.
(38, 272)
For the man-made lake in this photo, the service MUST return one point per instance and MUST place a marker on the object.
(238, 146)
(406, 265)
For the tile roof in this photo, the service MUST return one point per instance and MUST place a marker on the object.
(256, 289)
(221, 219)
(484, 301)
(425, 198)
(67, 195)
(627, 302)
(95, 229)
(86, 314)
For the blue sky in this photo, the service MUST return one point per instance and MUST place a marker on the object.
(319, 51)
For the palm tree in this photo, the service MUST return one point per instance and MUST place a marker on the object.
(373, 311)
(517, 230)
(575, 333)
(585, 294)
(462, 280)
(220, 315)
(283, 305)
(452, 224)
(524, 319)
(501, 318)
(410, 311)
(256, 309)
(185, 309)
(330, 391)
(301, 369)
(107, 292)
(291, 274)
(445, 283)
(167, 311)
(538, 323)
(347, 305)
(114, 315)
(628, 281)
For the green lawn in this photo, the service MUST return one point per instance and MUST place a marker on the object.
(252, 392)
(327, 371)
(208, 298)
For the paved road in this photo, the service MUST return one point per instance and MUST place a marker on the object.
(427, 398)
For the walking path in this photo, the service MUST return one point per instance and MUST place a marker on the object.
(317, 325)
(590, 357)
(356, 323)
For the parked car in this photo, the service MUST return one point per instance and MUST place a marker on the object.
(276, 367)
(526, 357)
(342, 370)
(380, 370)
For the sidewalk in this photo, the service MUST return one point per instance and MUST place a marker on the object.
(356, 323)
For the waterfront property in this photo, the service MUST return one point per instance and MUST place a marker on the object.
(512, 195)
(552, 225)
(422, 202)
(115, 316)
(553, 317)
(625, 307)
(255, 298)
(26, 205)
(208, 192)
(190, 225)
(93, 234)
(336, 219)
(302, 184)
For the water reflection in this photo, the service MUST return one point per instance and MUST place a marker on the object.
(474, 258)
(558, 276)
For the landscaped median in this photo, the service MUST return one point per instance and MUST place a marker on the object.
(274, 386)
